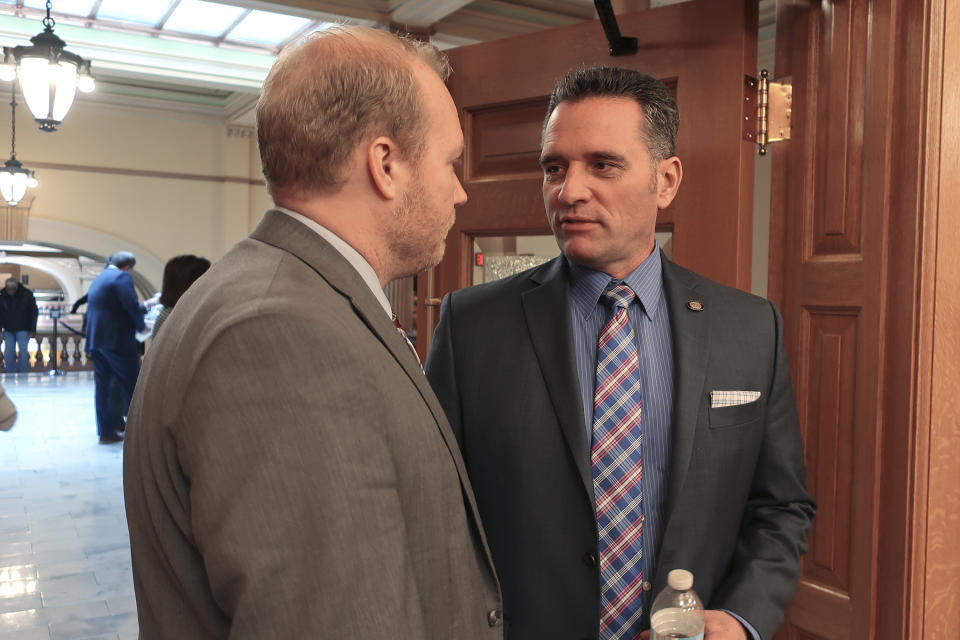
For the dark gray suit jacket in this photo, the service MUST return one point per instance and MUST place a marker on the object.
(738, 512)
(288, 471)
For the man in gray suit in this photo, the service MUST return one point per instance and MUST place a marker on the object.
(288, 471)
(673, 443)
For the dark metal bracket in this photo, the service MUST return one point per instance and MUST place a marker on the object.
(619, 45)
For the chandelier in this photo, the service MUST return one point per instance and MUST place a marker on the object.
(14, 177)
(49, 75)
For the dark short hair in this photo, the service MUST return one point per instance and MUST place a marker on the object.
(660, 114)
(13, 280)
(178, 274)
(122, 259)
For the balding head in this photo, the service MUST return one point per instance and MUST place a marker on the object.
(329, 93)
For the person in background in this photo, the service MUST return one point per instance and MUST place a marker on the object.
(79, 302)
(178, 274)
(18, 317)
(621, 416)
(288, 473)
(75, 308)
(114, 316)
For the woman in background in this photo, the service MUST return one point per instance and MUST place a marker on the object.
(178, 274)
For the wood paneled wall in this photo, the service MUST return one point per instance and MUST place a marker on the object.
(864, 267)
(934, 585)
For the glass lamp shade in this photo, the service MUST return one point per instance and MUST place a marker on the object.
(85, 82)
(13, 185)
(49, 89)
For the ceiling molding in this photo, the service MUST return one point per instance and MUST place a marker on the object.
(424, 13)
(491, 19)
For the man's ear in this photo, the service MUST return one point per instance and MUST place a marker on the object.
(387, 167)
(669, 175)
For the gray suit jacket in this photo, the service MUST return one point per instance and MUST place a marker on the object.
(288, 471)
(737, 512)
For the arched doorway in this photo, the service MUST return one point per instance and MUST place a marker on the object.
(59, 276)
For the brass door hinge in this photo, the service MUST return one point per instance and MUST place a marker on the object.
(767, 110)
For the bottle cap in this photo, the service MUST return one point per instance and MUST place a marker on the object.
(680, 579)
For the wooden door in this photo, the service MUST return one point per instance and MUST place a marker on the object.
(701, 49)
(856, 259)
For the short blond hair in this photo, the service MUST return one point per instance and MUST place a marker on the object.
(330, 92)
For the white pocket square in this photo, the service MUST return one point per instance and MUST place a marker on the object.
(732, 398)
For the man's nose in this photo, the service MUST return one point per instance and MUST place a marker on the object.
(574, 188)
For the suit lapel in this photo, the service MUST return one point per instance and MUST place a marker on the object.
(547, 311)
(690, 341)
(280, 230)
(286, 233)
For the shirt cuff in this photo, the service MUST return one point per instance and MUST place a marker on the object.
(746, 625)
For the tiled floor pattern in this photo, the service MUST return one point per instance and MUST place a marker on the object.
(64, 549)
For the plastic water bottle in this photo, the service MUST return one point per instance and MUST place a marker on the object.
(676, 612)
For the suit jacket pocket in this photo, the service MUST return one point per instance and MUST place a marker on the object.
(735, 416)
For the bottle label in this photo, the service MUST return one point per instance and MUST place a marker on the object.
(676, 623)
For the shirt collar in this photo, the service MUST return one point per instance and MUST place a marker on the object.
(350, 254)
(646, 280)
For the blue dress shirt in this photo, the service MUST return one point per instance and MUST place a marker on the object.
(651, 325)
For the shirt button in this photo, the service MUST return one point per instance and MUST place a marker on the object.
(647, 586)
(590, 559)
(494, 617)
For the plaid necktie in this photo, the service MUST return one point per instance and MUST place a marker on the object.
(617, 469)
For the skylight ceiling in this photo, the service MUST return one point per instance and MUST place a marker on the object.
(146, 12)
(220, 51)
(198, 20)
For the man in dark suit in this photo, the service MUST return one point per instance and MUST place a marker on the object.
(288, 471)
(114, 316)
(18, 318)
(672, 443)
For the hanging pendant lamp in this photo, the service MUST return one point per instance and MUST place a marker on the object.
(49, 75)
(14, 177)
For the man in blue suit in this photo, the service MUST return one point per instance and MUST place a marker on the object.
(114, 316)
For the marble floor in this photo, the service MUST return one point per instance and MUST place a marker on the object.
(64, 549)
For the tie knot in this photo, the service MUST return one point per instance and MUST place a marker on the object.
(617, 294)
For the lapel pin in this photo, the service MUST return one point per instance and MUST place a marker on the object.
(695, 305)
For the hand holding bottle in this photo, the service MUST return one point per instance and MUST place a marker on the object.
(678, 613)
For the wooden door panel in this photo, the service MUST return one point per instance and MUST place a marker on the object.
(701, 49)
(835, 296)
(828, 360)
(505, 140)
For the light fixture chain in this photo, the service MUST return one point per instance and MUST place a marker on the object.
(13, 122)
(49, 22)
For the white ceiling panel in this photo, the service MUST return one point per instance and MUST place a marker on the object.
(146, 12)
(73, 7)
(203, 18)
